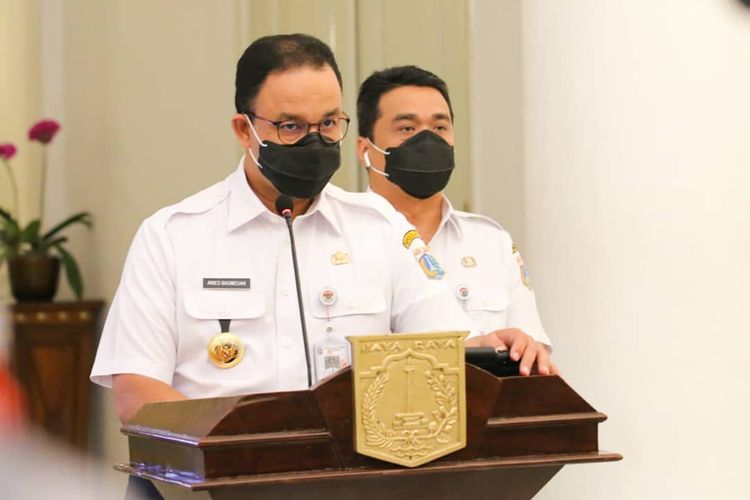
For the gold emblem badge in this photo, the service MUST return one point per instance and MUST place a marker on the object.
(340, 258)
(225, 350)
(409, 396)
(468, 261)
(409, 238)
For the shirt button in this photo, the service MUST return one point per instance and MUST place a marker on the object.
(286, 343)
(284, 291)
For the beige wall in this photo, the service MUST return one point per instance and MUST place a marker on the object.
(20, 107)
(638, 223)
(496, 90)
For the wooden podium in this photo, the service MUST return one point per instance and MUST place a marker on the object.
(520, 430)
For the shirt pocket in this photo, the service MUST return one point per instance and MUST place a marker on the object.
(359, 308)
(224, 304)
(485, 297)
(246, 310)
(487, 307)
(350, 301)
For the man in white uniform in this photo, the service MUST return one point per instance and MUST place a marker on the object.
(207, 303)
(406, 143)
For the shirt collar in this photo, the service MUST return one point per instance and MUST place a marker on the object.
(449, 217)
(244, 204)
(322, 206)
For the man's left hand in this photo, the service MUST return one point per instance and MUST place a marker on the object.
(533, 355)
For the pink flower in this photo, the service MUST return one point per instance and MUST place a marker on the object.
(7, 151)
(44, 131)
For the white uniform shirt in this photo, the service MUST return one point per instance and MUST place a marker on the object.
(484, 273)
(162, 318)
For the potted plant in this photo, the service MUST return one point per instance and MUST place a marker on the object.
(33, 255)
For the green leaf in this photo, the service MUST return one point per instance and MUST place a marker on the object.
(10, 238)
(30, 233)
(6, 215)
(10, 235)
(79, 218)
(57, 242)
(71, 271)
(8, 220)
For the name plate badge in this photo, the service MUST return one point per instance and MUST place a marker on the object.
(409, 396)
(227, 283)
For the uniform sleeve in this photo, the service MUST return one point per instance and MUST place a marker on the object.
(522, 311)
(420, 304)
(139, 335)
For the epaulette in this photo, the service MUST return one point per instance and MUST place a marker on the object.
(200, 202)
(479, 217)
(367, 200)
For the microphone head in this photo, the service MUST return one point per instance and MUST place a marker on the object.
(284, 205)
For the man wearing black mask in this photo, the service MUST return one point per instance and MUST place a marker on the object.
(406, 143)
(207, 306)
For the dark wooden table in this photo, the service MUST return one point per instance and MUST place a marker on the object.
(51, 356)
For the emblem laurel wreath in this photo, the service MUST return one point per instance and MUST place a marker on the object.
(411, 443)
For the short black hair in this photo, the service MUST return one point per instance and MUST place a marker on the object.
(380, 82)
(277, 53)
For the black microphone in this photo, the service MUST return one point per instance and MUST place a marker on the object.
(284, 207)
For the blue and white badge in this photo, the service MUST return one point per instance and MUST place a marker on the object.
(429, 264)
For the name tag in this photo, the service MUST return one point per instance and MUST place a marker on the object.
(227, 283)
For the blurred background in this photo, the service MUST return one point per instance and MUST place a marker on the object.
(610, 137)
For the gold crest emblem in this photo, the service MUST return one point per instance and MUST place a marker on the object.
(409, 396)
(340, 258)
(468, 261)
(409, 238)
(225, 350)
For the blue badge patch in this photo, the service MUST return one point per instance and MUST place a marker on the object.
(430, 266)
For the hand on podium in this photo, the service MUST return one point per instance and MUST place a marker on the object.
(533, 355)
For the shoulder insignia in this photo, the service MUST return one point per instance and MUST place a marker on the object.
(429, 264)
(479, 218)
(522, 267)
(409, 238)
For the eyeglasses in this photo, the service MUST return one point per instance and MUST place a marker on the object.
(331, 130)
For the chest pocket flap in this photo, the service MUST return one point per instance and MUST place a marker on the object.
(350, 300)
(488, 298)
(224, 304)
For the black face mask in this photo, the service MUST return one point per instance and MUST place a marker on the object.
(302, 169)
(421, 165)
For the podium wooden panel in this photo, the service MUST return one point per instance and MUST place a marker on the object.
(520, 432)
(52, 355)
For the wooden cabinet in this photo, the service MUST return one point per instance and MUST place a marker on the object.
(51, 356)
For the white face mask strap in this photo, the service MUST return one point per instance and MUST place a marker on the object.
(250, 123)
(250, 150)
(377, 148)
(373, 169)
(368, 163)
